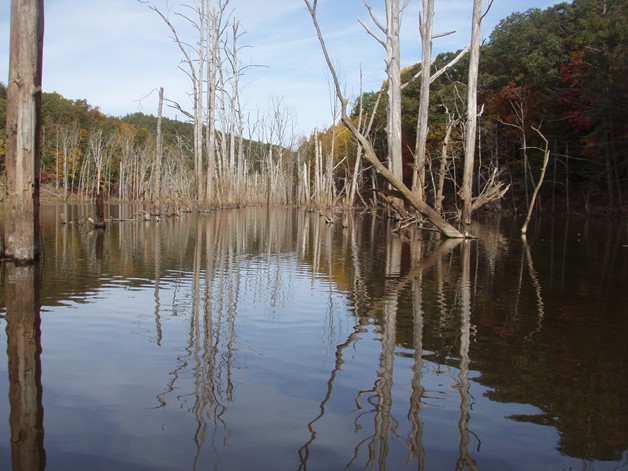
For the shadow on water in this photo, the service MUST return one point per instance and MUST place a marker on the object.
(280, 341)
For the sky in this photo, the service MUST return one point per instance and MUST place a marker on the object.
(117, 53)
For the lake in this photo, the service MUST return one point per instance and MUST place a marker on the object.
(267, 339)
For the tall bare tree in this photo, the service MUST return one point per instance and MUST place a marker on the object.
(158, 149)
(418, 180)
(546, 156)
(393, 71)
(472, 117)
(23, 151)
(194, 61)
(214, 31)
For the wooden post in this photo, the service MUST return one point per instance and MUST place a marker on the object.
(21, 203)
(100, 210)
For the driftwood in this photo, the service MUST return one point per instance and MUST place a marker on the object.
(96, 224)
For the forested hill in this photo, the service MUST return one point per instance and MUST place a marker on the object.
(562, 71)
(59, 112)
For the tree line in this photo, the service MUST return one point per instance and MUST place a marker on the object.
(554, 75)
(551, 78)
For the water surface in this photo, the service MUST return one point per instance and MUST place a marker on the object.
(267, 339)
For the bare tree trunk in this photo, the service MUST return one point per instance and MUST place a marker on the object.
(418, 180)
(438, 200)
(393, 71)
(23, 150)
(214, 68)
(195, 73)
(358, 154)
(66, 155)
(57, 158)
(234, 98)
(197, 84)
(158, 149)
(70, 136)
(472, 116)
(100, 210)
(546, 155)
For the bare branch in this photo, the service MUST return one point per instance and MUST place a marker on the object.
(312, 10)
(442, 35)
(439, 72)
(493, 190)
(177, 106)
(451, 63)
(194, 24)
(180, 43)
(368, 30)
(373, 17)
(490, 4)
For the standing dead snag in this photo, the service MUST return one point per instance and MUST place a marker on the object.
(546, 155)
(472, 117)
(21, 203)
(369, 152)
(418, 179)
(393, 71)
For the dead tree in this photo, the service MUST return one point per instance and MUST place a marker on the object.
(194, 70)
(393, 71)
(418, 180)
(444, 162)
(426, 29)
(214, 30)
(466, 192)
(158, 151)
(546, 155)
(369, 151)
(21, 203)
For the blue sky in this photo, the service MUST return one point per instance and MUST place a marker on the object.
(115, 53)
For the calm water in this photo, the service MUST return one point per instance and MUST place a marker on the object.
(269, 340)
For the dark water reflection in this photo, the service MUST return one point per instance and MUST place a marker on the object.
(255, 339)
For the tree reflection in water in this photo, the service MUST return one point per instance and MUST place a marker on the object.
(370, 349)
(378, 401)
(24, 355)
(465, 460)
(211, 335)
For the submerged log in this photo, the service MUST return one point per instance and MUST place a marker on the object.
(96, 224)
